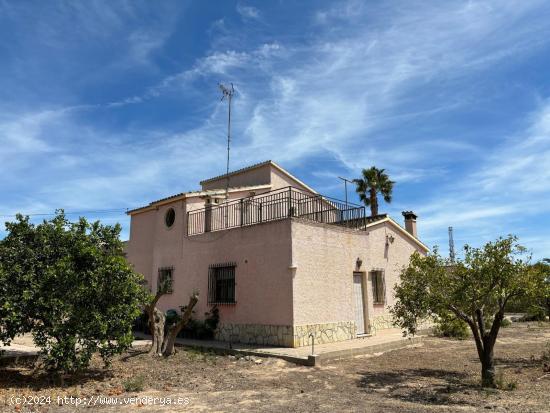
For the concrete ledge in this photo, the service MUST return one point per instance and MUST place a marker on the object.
(8, 360)
(325, 357)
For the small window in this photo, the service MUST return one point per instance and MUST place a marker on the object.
(221, 284)
(165, 279)
(378, 287)
(170, 217)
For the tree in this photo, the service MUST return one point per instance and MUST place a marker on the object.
(543, 297)
(69, 285)
(374, 181)
(163, 344)
(475, 290)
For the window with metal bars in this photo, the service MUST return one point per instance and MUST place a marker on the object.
(221, 283)
(165, 279)
(378, 287)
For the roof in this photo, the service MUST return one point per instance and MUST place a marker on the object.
(256, 166)
(191, 194)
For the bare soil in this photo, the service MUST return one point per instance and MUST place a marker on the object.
(439, 375)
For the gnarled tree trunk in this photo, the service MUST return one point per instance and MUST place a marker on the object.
(159, 319)
(150, 310)
(170, 339)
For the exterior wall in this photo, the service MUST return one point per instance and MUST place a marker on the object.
(266, 174)
(139, 249)
(325, 259)
(391, 258)
(261, 252)
(280, 180)
(257, 176)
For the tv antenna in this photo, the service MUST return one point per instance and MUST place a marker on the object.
(346, 187)
(451, 245)
(227, 93)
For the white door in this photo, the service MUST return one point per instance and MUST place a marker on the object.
(359, 303)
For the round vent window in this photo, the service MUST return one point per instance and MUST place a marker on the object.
(170, 217)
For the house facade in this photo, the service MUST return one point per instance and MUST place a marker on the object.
(281, 262)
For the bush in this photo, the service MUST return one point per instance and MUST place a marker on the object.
(133, 384)
(69, 285)
(202, 329)
(504, 323)
(450, 326)
(535, 313)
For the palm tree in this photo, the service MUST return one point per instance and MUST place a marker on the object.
(375, 181)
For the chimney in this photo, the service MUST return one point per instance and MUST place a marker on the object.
(410, 222)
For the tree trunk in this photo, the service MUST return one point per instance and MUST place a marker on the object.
(488, 369)
(157, 333)
(170, 340)
(373, 202)
(150, 309)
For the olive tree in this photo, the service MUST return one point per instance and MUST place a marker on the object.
(69, 285)
(475, 289)
(163, 344)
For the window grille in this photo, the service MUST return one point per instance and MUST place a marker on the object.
(165, 279)
(221, 283)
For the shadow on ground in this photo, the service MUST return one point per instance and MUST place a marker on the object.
(39, 380)
(426, 386)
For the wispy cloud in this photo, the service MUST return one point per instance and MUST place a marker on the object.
(248, 12)
(426, 90)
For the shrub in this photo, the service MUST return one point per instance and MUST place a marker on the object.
(133, 384)
(450, 326)
(202, 329)
(69, 285)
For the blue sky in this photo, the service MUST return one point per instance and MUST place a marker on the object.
(111, 104)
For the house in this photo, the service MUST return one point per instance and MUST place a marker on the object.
(279, 260)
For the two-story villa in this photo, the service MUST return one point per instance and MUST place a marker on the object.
(279, 260)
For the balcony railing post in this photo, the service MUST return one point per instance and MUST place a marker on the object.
(289, 201)
(242, 212)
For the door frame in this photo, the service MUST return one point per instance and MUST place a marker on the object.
(363, 275)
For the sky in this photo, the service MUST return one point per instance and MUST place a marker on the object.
(108, 105)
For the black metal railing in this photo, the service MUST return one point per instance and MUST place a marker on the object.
(275, 205)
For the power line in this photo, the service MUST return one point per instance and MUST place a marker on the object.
(45, 214)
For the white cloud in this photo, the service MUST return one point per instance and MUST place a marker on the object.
(248, 12)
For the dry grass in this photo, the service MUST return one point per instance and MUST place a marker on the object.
(440, 375)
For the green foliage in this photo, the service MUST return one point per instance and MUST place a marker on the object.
(452, 327)
(134, 384)
(69, 285)
(475, 290)
(203, 329)
(481, 283)
(373, 182)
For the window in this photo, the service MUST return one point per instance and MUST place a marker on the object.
(165, 279)
(378, 287)
(221, 284)
(170, 217)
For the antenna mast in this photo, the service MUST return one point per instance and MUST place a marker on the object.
(227, 93)
(451, 245)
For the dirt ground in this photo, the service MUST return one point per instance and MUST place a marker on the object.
(438, 375)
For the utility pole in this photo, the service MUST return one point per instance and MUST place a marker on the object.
(451, 245)
(227, 93)
(346, 188)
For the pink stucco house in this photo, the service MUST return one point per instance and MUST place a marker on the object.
(279, 260)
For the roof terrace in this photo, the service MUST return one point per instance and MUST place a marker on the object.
(275, 205)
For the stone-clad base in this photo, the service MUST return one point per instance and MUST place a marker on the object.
(255, 334)
(324, 333)
(286, 336)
